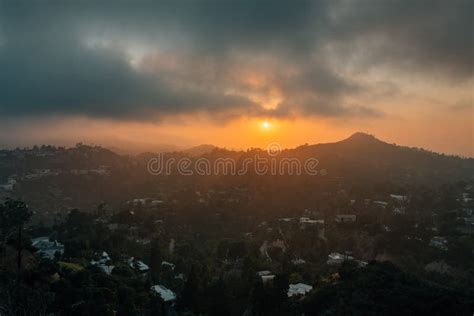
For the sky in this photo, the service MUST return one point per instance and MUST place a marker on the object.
(138, 75)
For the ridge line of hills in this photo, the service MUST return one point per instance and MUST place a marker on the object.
(356, 140)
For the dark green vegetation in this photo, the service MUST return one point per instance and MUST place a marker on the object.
(206, 237)
(383, 289)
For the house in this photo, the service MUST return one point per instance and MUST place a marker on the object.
(468, 221)
(143, 241)
(398, 210)
(138, 201)
(299, 289)
(399, 198)
(266, 276)
(166, 294)
(47, 248)
(382, 204)
(297, 262)
(138, 265)
(361, 263)
(103, 263)
(115, 226)
(101, 171)
(345, 218)
(168, 264)
(336, 258)
(439, 242)
(78, 172)
(104, 257)
(9, 185)
(304, 219)
(180, 276)
(263, 273)
(248, 235)
(466, 198)
(156, 203)
(308, 221)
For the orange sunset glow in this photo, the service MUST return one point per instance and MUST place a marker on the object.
(147, 87)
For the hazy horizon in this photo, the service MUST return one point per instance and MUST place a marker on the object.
(134, 148)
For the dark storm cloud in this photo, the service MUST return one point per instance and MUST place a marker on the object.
(434, 36)
(46, 68)
(73, 58)
(39, 79)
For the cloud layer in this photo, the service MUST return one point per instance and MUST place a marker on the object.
(144, 60)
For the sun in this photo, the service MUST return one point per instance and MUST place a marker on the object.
(266, 125)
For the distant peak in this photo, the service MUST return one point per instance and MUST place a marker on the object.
(200, 149)
(361, 137)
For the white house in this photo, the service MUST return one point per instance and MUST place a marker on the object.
(299, 289)
(266, 276)
(138, 265)
(308, 221)
(47, 248)
(166, 294)
(168, 264)
(380, 203)
(399, 198)
(336, 258)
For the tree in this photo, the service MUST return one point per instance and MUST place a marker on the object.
(383, 289)
(101, 209)
(13, 215)
(280, 289)
(217, 296)
(258, 298)
(190, 296)
(155, 259)
(126, 298)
